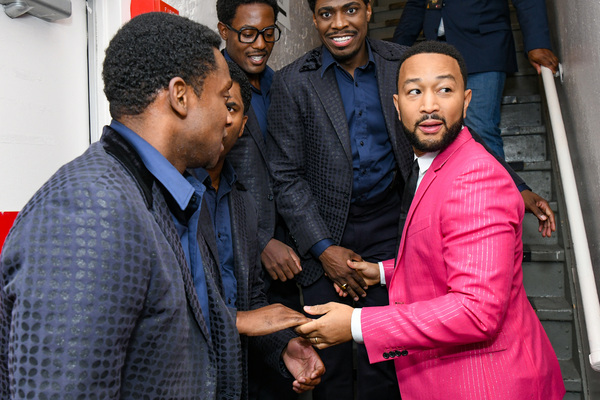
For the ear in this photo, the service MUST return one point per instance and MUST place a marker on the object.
(369, 12)
(179, 92)
(397, 107)
(315, 19)
(243, 126)
(468, 95)
(223, 30)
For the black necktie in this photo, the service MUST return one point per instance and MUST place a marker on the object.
(407, 196)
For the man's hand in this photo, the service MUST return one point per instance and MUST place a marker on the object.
(280, 260)
(334, 260)
(539, 207)
(269, 319)
(334, 327)
(545, 57)
(366, 270)
(304, 364)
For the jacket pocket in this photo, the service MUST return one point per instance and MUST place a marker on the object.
(493, 27)
(418, 226)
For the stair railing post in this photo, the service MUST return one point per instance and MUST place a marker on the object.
(583, 261)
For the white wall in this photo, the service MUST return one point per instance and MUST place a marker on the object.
(43, 100)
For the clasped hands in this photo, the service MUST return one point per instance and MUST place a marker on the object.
(299, 357)
(334, 325)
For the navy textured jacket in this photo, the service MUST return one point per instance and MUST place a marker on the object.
(97, 299)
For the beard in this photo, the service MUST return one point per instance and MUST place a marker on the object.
(427, 146)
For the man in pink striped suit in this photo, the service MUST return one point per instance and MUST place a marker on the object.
(459, 325)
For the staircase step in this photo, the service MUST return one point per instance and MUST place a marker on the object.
(536, 252)
(560, 334)
(531, 236)
(524, 148)
(543, 279)
(540, 182)
(382, 14)
(523, 130)
(571, 377)
(552, 308)
(521, 85)
(528, 114)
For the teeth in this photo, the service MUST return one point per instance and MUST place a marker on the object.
(257, 58)
(341, 39)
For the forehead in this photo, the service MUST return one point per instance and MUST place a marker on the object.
(429, 65)
(338, 3)
(235, 92)
(254, 14)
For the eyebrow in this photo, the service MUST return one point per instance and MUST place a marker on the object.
(439, 78)
(329, 8)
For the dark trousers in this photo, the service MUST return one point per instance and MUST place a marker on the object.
(372, 232)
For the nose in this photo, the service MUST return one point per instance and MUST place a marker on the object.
(339, 21)
(229, 120)
(429, 102)
(259, 43)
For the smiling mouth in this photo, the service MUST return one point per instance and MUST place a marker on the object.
(342, 41)
(257, 59)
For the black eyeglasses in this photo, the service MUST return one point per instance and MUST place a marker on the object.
(270, 34)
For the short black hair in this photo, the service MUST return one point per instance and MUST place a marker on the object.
(149, 51)
(435, 47)
(312, 4)
(238, 76)
(226, 9)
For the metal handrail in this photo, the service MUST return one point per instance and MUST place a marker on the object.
(583, 261)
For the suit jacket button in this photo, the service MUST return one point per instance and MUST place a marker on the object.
(386, 355)
(270, 197)
(405, 353)
(399, 353)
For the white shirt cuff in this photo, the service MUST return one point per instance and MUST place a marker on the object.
(355, 326)
(381, 274)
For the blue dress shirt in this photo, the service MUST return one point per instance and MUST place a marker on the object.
(187, 192)
(373, 161)
(218, 206)
(261, 98)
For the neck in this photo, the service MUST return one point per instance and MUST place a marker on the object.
(215, 173)
(358, 60)
(254, 80)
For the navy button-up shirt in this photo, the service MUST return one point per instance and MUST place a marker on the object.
(187, 192)
(261, 98)
(373, 162)
(218, 206)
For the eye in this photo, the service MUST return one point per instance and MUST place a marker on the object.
(414, 91)
(352, 10)
(445, 90)
(325, 14)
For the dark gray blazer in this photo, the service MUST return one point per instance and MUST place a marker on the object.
(309, 149)
(250, 287)
(249, 159)
(97, 299)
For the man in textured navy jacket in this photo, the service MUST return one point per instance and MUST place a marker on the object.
(481, 31)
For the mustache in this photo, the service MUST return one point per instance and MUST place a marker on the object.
(430, 116)
(344, 32)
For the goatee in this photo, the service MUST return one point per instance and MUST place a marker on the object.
(430, 146)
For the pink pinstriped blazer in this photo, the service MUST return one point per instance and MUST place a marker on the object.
(459, 325)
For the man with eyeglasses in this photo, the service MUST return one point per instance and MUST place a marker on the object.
(249, 31)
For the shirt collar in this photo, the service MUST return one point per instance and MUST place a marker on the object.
(328, 60)
(228, 175)
(173, 181)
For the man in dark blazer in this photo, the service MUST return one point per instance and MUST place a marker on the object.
(232, 214)
(323, 147)
(481, 30)
(108, 288)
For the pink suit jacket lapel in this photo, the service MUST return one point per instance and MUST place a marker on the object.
(430, 176)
